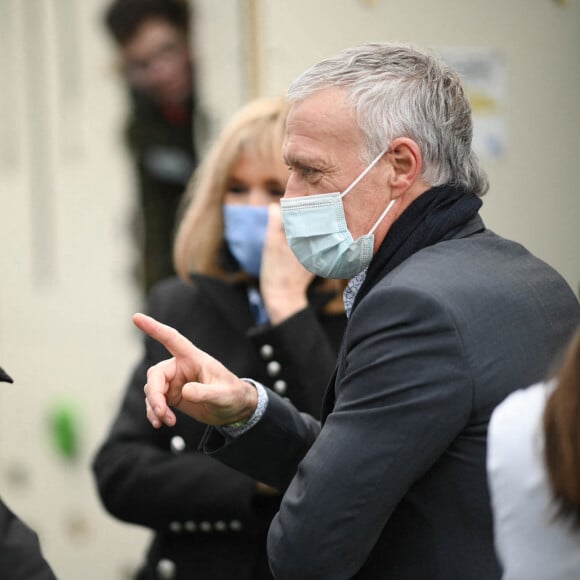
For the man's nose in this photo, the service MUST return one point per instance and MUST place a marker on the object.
(291, 187)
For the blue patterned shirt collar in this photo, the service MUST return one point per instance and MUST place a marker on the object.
(351, 291)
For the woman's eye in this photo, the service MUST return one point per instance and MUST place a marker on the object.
(276, 191)
(236, 189)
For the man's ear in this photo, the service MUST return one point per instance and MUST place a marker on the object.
(407, 163)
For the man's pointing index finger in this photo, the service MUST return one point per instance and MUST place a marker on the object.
(170, 338)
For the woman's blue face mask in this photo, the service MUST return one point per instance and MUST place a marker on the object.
(245, 231)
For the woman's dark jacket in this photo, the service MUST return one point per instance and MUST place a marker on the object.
(207, 518)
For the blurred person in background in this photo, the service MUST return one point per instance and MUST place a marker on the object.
(534, 476)
(20, 553)
(153, 38)
(243, 297)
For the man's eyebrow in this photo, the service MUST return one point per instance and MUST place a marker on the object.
(297, 160)
(291, 159)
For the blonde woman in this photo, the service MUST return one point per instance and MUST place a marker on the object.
(241, 296)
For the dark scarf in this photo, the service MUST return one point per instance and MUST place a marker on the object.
(434, 216)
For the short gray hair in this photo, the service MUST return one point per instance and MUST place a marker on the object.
(397, 90)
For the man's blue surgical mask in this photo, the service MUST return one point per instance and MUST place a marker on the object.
(318, 235)
(245, 232)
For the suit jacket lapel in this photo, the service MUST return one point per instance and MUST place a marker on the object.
(329, 397)
(330, 394)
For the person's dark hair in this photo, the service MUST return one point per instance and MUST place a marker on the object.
(123, 18)
(562, 435)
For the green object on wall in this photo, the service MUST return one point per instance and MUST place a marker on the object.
(64, 425)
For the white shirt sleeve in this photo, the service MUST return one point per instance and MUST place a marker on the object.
(531, 543)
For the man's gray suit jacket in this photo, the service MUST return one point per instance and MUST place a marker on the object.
(394, 484)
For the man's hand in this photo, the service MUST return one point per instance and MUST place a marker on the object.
(193, 382)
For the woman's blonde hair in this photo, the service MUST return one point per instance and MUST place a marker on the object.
(258, 128)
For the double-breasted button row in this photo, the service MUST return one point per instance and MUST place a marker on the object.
(205, 526)
(273, 368)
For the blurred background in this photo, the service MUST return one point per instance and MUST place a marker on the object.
(67, 193)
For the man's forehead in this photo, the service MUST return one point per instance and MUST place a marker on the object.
(318, 123)
(326, 107)
(303, 147)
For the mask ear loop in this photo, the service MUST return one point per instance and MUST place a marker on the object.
(369, 167)
(354, 183)
(383, 215)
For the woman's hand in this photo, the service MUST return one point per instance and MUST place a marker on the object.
(283, 279)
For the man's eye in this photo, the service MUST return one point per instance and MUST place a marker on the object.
(310, 174)
(307, 173)
(303, 171)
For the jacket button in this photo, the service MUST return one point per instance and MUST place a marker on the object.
(274, 368)
(166, 569)
(175, 527)
(266, 351)
(177, 444)
(280, 386)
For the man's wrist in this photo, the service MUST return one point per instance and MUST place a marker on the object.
(251, 404)
(261, 402)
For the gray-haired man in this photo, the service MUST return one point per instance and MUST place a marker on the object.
(445, 319)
